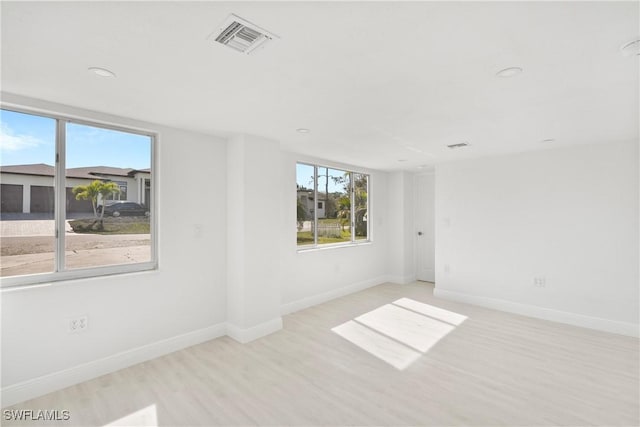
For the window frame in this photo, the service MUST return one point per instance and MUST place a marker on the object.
(353, 242)
(59, 272)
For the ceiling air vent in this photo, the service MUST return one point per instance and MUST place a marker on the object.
(242, 35)
(459, 145)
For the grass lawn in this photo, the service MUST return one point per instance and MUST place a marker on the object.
(120, 225)
(306, 237)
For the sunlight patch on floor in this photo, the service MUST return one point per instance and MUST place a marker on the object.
(144, 417)
(431, 311)
(397, 355)
(400, 332)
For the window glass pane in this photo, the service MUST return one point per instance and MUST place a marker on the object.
(27, 226)
(305, 204)
(361, 190)
(105, 169)
(334, 219)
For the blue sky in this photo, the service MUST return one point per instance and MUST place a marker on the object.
(304, 177)
(26, 139)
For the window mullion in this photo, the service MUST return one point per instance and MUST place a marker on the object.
(60, 194)
(368, 211)
(352, 196)
(315, 205)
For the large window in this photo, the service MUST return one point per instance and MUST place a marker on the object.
(332, 206)
(76, 199)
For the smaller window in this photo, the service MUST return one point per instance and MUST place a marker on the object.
(341, 203)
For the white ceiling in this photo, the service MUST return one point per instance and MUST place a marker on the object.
(375, 82)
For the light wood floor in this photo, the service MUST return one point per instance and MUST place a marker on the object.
(493, 369)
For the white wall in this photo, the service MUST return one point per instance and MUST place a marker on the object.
(253, 235)
(186, 295)
(315, 276)
(568, 214)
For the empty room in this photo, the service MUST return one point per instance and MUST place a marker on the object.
(323, 213)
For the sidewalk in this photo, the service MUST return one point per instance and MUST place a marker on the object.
(32, 227)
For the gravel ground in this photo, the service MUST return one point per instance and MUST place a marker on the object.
(43, 262)
(27, 245)
(35, 254)
(40, 244)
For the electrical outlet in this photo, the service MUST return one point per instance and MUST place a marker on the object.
(540, 282)
(447, 269)
(78, 324)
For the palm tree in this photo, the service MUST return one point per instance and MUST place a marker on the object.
(344, 210)
(95, 190)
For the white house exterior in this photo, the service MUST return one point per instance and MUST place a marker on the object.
(307, 200)
(29, 188)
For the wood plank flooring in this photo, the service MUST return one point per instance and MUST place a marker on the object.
(493, 369)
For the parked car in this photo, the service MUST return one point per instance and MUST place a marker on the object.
(124, 208)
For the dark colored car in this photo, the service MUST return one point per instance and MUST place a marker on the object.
(117, 208)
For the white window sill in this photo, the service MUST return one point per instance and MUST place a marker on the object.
(329, 246)
(18, 283)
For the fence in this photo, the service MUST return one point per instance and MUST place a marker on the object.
(328, 229)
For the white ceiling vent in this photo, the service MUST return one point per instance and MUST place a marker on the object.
(242, 35)
(460, 145)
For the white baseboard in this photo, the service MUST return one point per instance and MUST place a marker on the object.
(35, 387)
(253, 333)
(606, 325)
(402, 280)
(333, 294)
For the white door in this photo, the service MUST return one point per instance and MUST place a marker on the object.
(425, 227)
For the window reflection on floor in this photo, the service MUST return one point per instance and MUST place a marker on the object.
(400, 332)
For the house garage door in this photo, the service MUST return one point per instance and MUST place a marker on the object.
(10, 198)
(77, 206)
(41, 199)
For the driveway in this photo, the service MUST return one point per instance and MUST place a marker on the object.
(28, 247)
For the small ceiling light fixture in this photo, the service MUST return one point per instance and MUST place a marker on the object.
(509, 72)
(459, 145)
(102, 72)
(303, 130)
(422, 166)
(402, 160)
(631, 48)
(548, 140)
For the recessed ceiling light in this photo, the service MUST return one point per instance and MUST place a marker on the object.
(458, 145)
(402, 160)
(303, 130)
(548, 140)
(102, 72)
(631, 48)
(422, 166)
(509, 72)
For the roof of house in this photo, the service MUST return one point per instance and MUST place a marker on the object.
(91, 172)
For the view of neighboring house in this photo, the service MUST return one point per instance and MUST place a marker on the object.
(305, 196)
(29, 188)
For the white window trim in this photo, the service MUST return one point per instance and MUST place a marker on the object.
(60, 273)
(353, 243)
